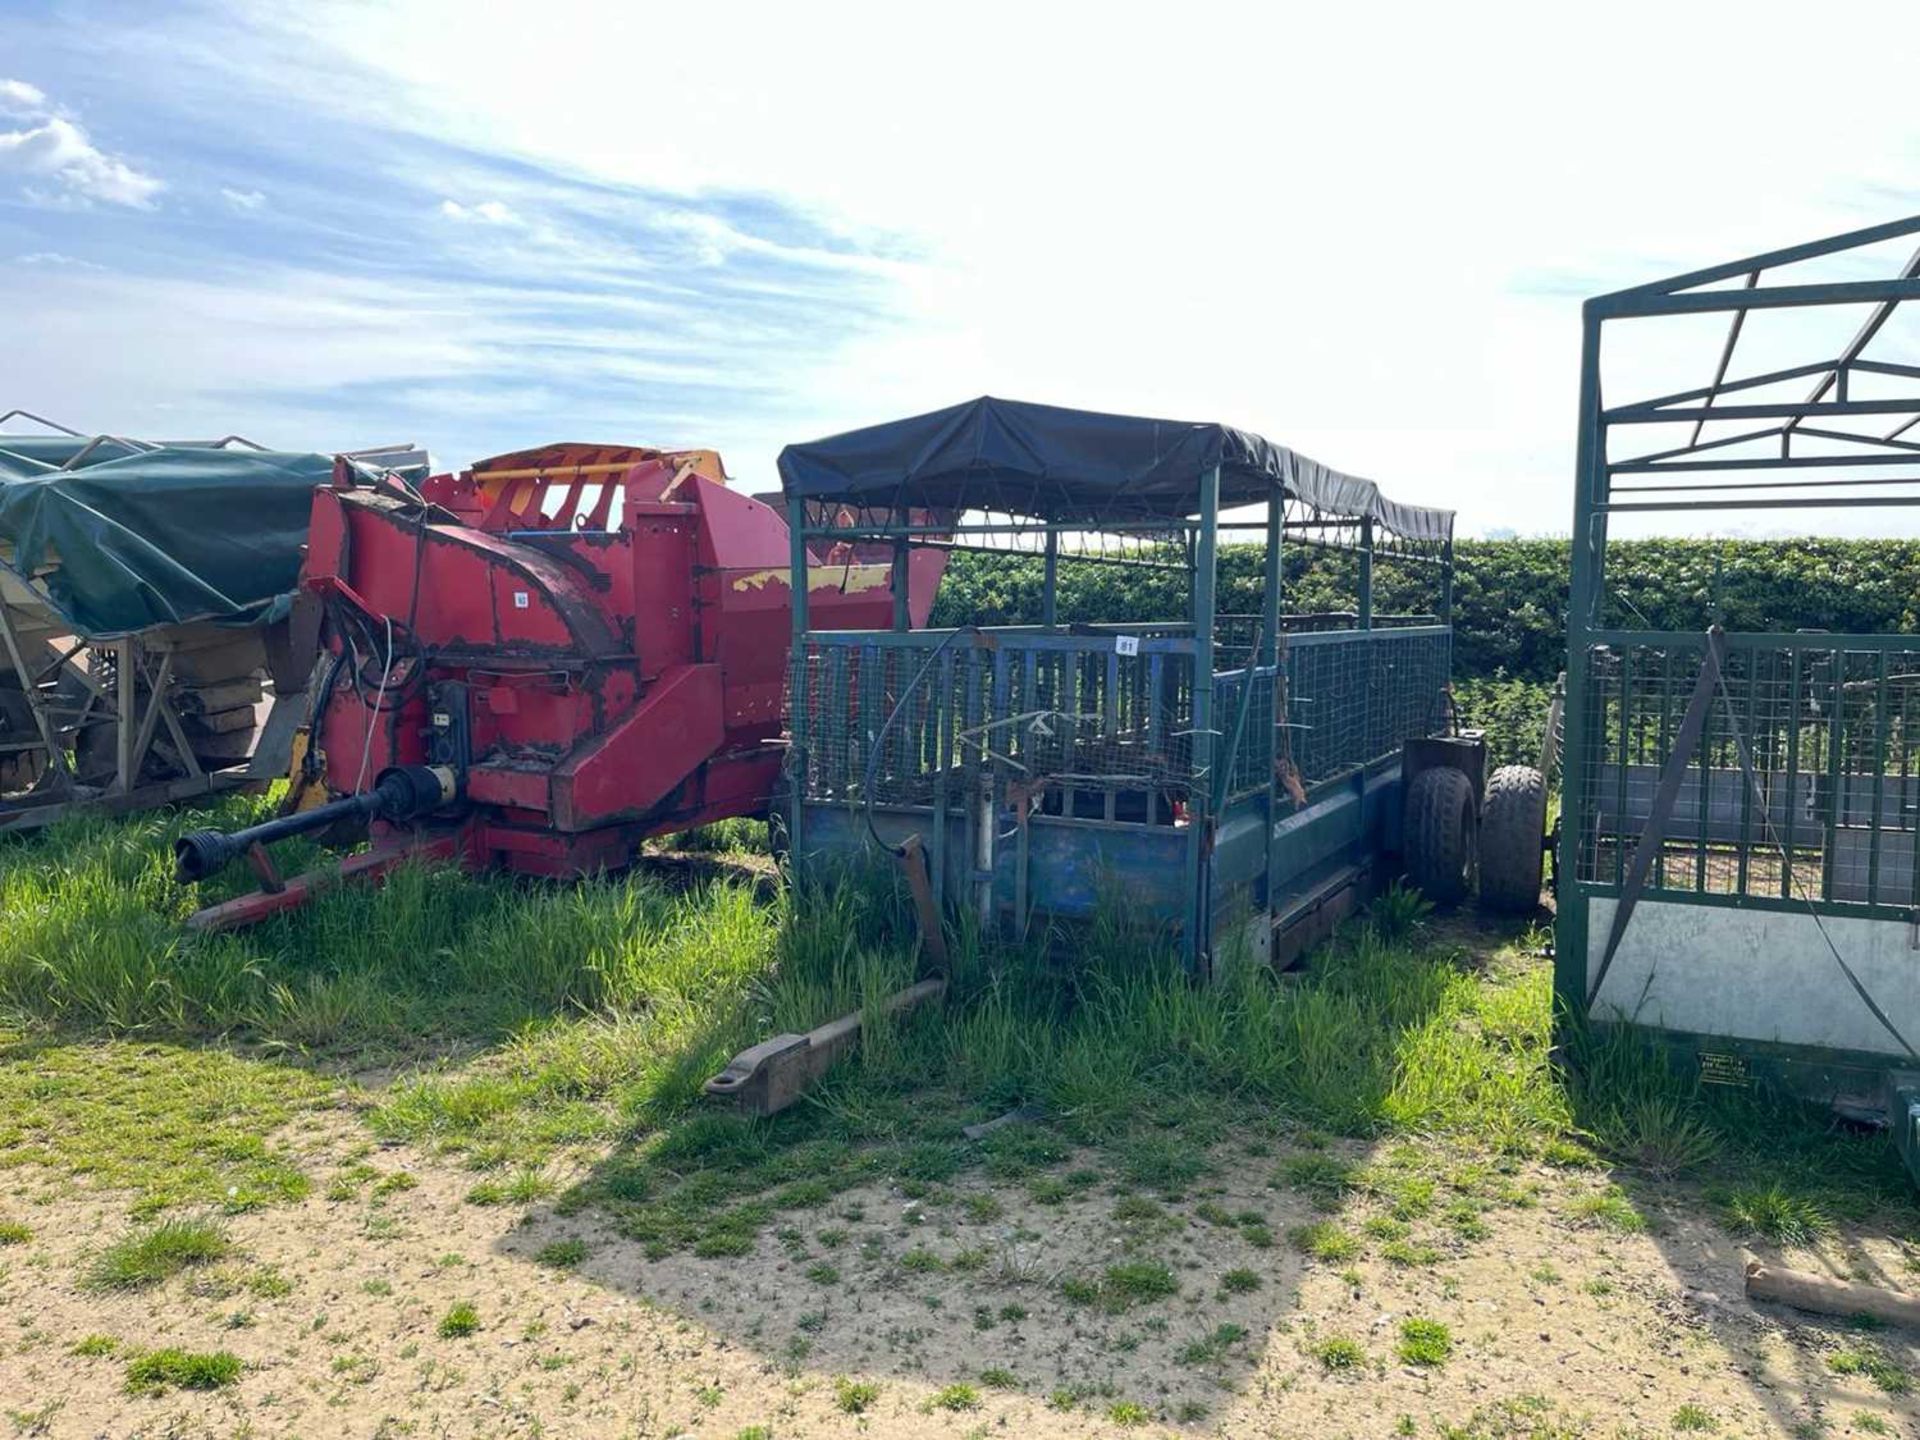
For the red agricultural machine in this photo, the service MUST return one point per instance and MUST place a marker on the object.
(537, 663)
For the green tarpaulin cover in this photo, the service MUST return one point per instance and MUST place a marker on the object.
(155, 537)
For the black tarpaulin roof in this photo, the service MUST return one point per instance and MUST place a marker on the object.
(1076, 467)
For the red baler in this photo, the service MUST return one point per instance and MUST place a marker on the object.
(539, 662)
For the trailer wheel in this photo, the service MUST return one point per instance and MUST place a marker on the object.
(1513, 837)
(1440, 834)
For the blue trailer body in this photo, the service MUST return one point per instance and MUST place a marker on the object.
(1227, 776)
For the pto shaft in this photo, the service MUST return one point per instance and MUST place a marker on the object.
(402, 793)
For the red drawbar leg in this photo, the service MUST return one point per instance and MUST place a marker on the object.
(370, 865)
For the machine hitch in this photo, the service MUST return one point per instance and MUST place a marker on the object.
(400, 794)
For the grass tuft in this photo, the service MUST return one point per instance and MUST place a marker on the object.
(144, 1259)
(1609, 1210)
(561, 1254)
(1338, 1352)
(955, 1397)
(1424, 1342)
(1325, 1241)
(1773, 1212)
(855, 1397)
(1136, 1283)
(1240, 1282)
(1870, 1362)
(1327, 1178)
(460, 1321)
(159, 1370)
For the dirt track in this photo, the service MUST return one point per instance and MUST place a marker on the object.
(1555, 1323)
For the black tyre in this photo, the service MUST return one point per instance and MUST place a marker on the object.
(1513, 834)
(1440, 834)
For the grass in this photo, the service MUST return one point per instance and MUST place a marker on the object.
(174, 1125)
(1773, 1212)
(1870, 1363)
(1338, 1352)
(587, 1016)
(1609, 1210)
(1693, 1418)
(955, 1397)
(460, 1321)
(148, 1257)
(1326, 1178)
(1135, 1283)
(855, 1397)
(1325, 1241)
(1424, 1342)
(15, 1232)
(1212, 1347)
(561, 1254)
(157, 1371)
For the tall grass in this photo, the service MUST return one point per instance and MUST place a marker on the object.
(90, 937)
(538, 1016)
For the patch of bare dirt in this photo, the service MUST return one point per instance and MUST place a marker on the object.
(335, 1308)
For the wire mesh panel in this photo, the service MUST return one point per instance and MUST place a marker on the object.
(1073, 723)
(1804, 782)
(1244, 701)
(1352, 697)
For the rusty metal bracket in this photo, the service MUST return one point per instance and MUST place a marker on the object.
(264, 869)
(913, 860)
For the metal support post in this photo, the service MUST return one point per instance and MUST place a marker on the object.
(797, 723)
(1366, 573)
(1587, 579)
(1199, 811)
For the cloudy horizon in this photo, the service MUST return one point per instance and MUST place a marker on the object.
(1365, 234)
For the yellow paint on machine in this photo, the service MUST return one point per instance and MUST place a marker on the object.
(839, 579)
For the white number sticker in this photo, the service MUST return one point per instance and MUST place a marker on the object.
(519, 599)
(1126, 644)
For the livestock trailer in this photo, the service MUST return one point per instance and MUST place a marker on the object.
(1231, 774)
(1738, 869)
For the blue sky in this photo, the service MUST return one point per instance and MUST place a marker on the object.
(478, 228)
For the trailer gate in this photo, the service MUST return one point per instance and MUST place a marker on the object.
(1773, 899)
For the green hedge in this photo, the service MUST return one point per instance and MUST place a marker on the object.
(1510, 602)
(1510, 596)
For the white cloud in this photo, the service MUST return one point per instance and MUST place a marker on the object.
(244, 199)
(1325, 223)
(487, 212)
(55, 258)
(59, 149)
(1363, 231)
(17, 97)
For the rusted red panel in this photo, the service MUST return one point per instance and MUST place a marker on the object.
(525, 789)
(626, 772)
